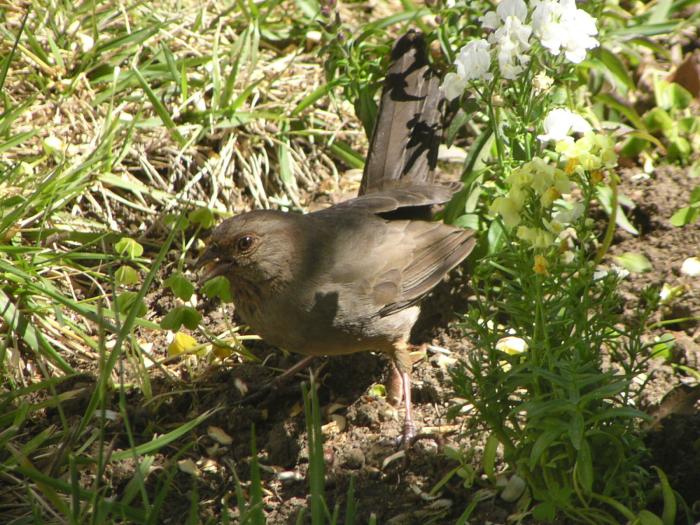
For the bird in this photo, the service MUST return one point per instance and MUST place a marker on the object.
(349, 278)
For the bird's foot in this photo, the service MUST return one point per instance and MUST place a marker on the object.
(408, 435)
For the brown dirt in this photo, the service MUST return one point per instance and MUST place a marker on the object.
(397, 492)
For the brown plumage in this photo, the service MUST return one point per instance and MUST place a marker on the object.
(349, 278)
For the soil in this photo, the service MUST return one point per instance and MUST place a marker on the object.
(360, 429)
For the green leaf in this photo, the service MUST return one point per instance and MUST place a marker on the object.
(689, 214)
(160, 110)
(544, 512)
(181, 315)
(128, 300)
(314, 96)
(583, 470)
(686, 215)
(127, 275)
(542, 443)
(670, 95)
(346, 154)
(678, 149)
(658, 119)
(489, 461)
(646, 517)
(162, 440)
(180, 285)
(633, 262)
(605, 196)
(203, 217)
(576, 429)
(128, 248)
(669, 513)
(458, 121)
(310, 8)
(616, 67)
(218, 287)
(468, 220)
(694, 170)
(659, 13)
(625, 109)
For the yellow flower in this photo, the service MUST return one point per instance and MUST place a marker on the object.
(537, 237)
(590, 152)
(508, 209)
(549, 196)
(519, 177)
(562, 182)
(606, 150)
(181, 342)
(540, 266)
(222, 352)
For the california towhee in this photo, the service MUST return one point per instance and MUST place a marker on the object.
(349, 278)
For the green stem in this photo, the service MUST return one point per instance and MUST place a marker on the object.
(610, 231)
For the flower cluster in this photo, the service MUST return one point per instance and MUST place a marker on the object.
(558, 25)
(541, 184)
(472, 63)
(590, 153)
(547, 182)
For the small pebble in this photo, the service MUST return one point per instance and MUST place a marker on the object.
(354, 458)
(691, 267)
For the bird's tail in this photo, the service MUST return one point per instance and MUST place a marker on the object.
(408, 130)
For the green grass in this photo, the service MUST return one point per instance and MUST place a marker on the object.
(125, 131)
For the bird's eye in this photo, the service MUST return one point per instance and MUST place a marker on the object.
(245, 243)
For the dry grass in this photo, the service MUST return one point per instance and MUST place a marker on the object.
(119, 120)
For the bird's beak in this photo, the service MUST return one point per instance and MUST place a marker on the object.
(212, 265)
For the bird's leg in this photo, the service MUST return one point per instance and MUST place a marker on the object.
(402, 359)
(394, 386)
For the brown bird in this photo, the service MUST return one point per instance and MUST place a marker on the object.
(349, 278)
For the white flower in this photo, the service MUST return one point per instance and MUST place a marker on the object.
(542, 82)
(511, 41)
(568, 213)
(560, 123)
(560, 26)
(490, 20)
(516, 8)
(473, 63)
(453, 86)
(602, 273)
(506, 8)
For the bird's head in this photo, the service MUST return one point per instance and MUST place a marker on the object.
(255, 247)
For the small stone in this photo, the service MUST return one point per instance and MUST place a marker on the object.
(218, 435)
(691, 267)
(512, 345)
(188, 467)
(354, 458)
(513, 489)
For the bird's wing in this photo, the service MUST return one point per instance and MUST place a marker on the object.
(435, 249)
(407, 133)
(392, 264)
(399, 198)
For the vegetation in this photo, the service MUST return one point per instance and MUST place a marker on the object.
(127, 131)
